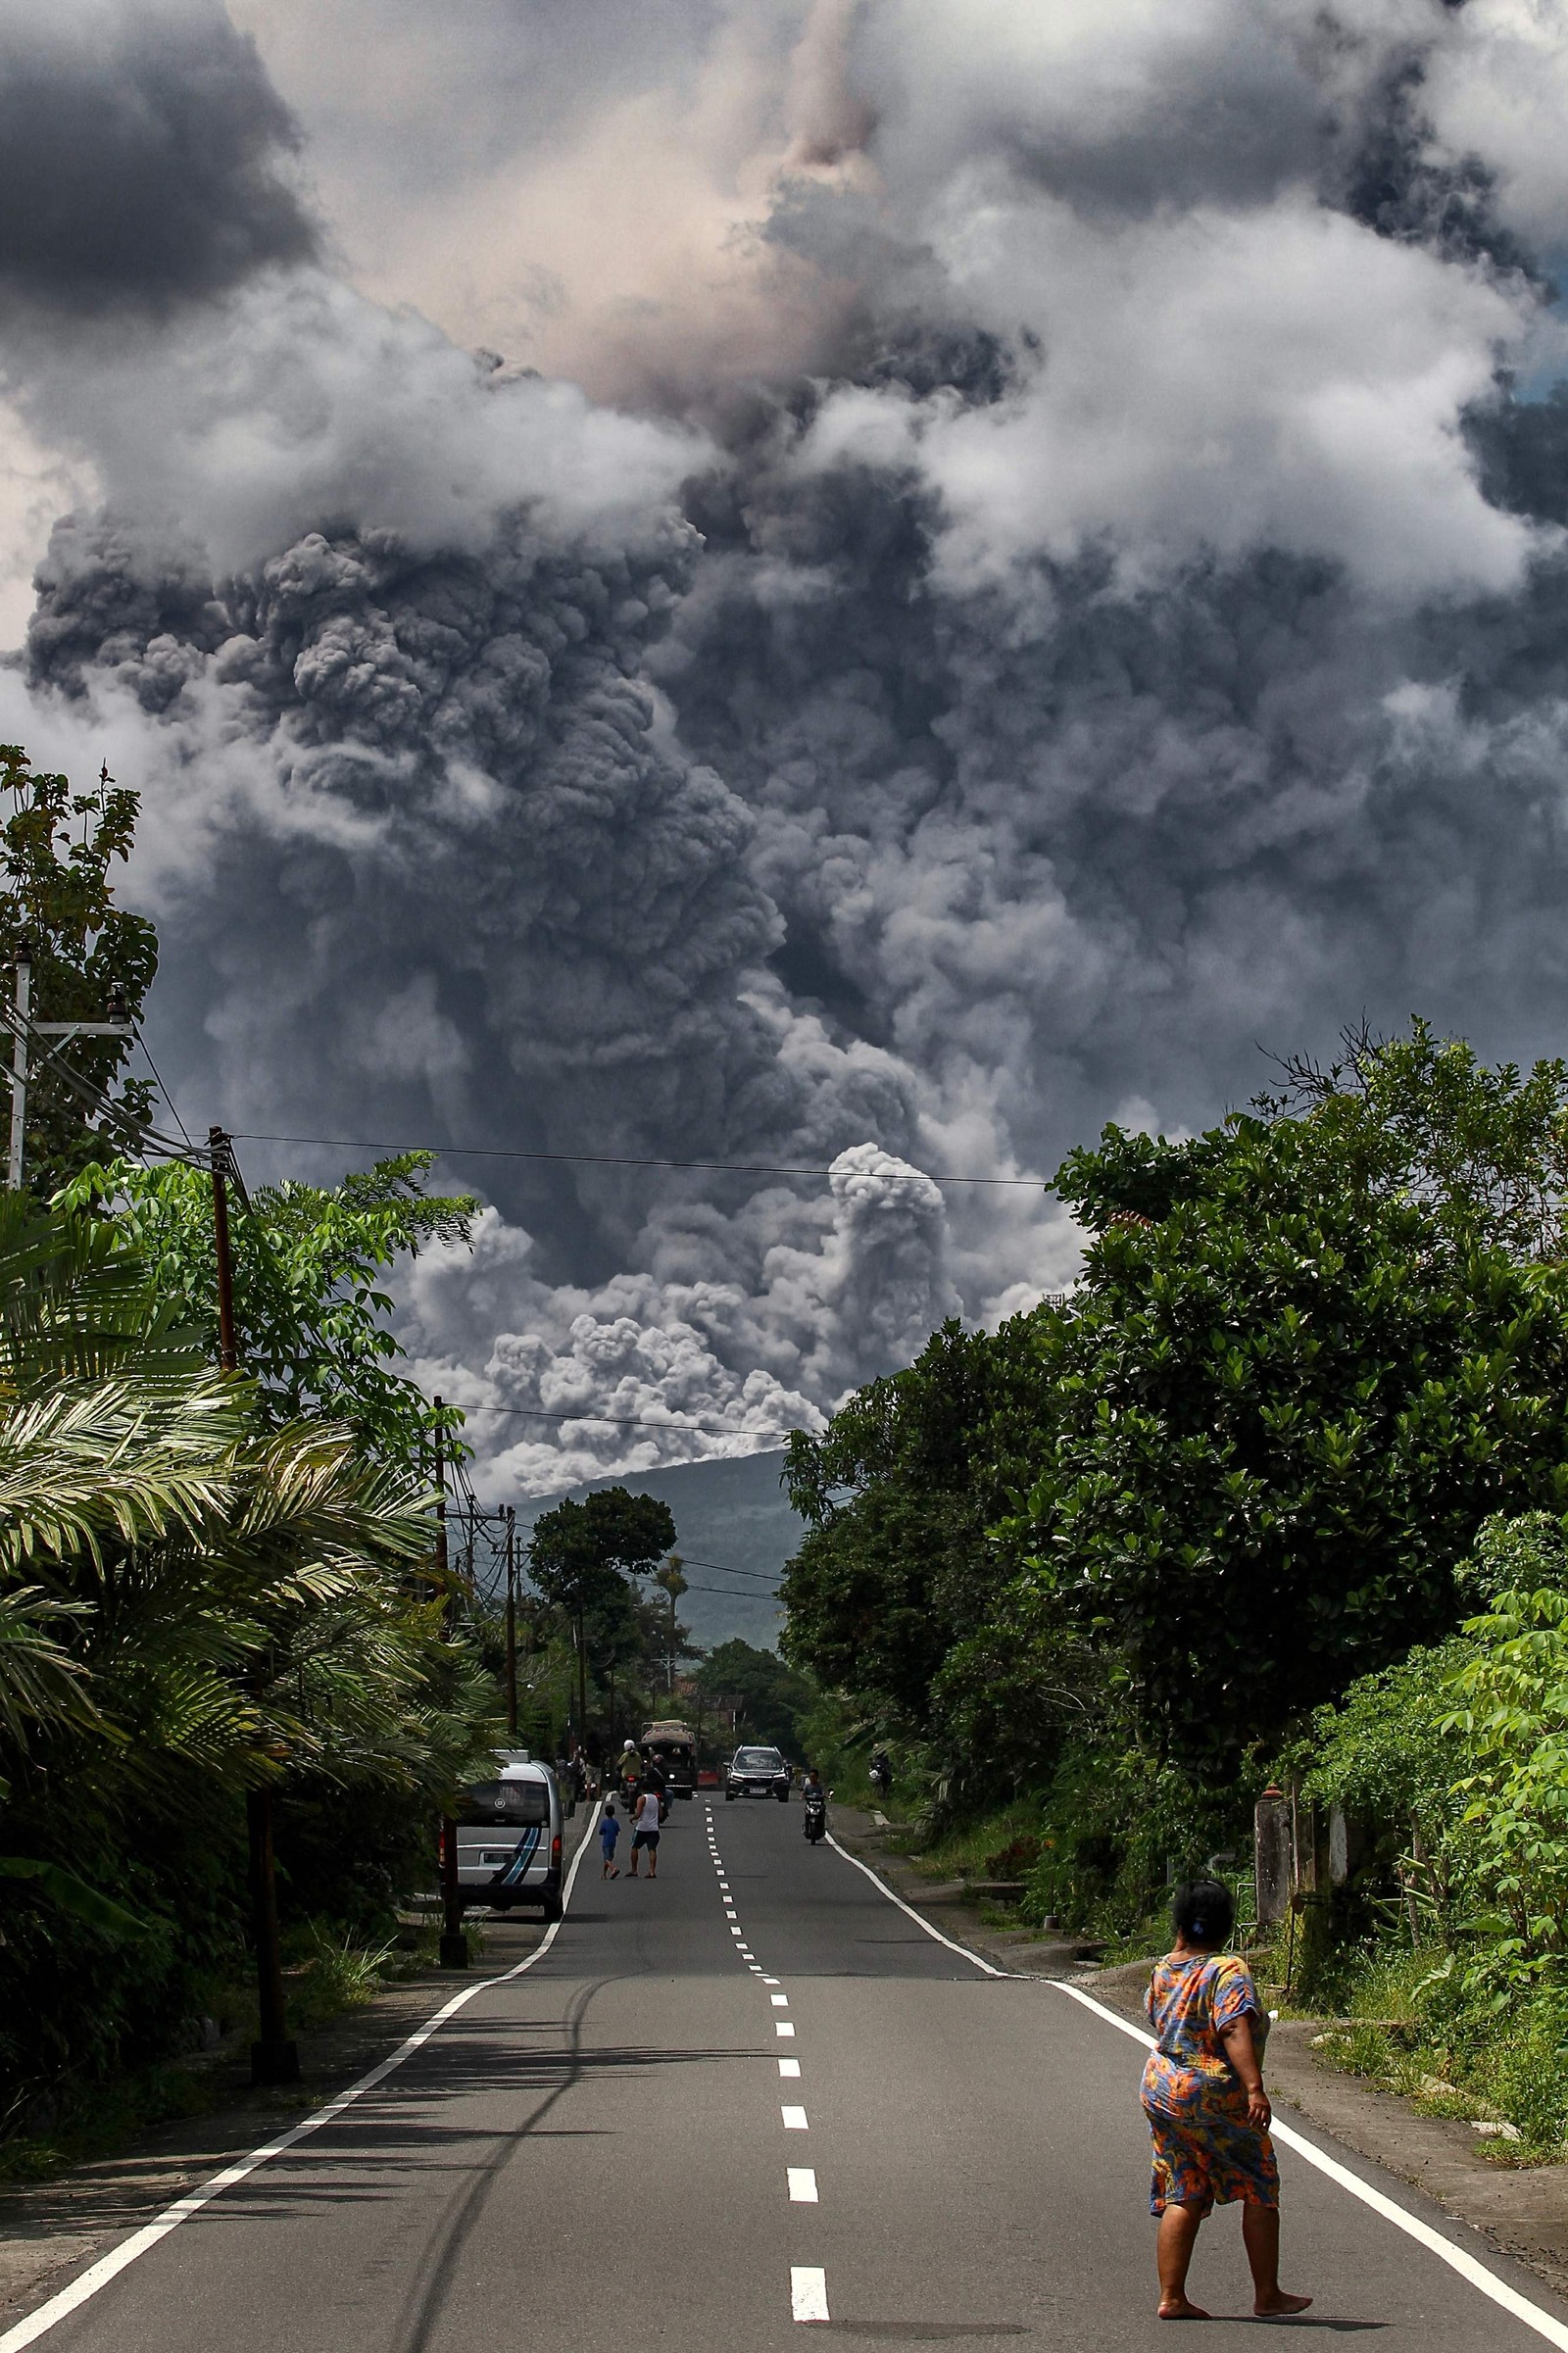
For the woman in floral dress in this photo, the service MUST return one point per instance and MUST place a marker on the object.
(1206, 2107)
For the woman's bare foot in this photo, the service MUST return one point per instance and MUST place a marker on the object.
(1180, 2309)
(1280, 2302)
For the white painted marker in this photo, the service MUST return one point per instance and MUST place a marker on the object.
(770, 1980)
(795, 2120)
(803, 2186)
(782, 2026)
(807, 2292)
(789, 2067)
(781, 2001)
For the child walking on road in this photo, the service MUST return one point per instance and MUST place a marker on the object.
(1206, 2107)
(609, 1839)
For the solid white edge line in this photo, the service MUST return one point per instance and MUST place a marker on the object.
(962, 1950)
(807, 2292)
(26, 2332)
(1457, 2258)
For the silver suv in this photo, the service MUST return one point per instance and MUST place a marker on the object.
(757, 1773)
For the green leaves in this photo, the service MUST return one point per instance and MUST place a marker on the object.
(312, 1316)
(57, 852)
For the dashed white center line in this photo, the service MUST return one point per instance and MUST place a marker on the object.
(789, 2067)
(782, 2026)
(770, 1980)
(795, 2120)
(803, 2186)
(781, 2001)
(807, 2292)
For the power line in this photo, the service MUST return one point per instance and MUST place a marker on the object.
(724, 1569)
(592, 1159)
(159, 1084)
(626, 1421)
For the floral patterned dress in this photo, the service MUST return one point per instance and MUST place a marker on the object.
(1205, 2153)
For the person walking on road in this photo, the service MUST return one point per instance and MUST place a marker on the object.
(646, 1834)
(1206, 2107)
(610, 1839)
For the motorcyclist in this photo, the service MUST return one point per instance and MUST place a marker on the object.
(629, 1769)
(881, 1771)
(814, 1802)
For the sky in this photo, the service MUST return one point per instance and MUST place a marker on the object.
(857, 586)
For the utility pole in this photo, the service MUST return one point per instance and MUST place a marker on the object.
(511, 1621)
(118, 1025)
(274, 2056)
(19, 1065)
(218, 1148)
(454, 1943)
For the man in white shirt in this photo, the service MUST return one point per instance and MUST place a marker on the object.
(646, 1834)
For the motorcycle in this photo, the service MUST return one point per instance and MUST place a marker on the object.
(814, 1813)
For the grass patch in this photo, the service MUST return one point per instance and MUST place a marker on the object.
(1414, 2025)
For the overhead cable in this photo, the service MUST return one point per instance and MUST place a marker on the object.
(594, 1160)
(625, 1421)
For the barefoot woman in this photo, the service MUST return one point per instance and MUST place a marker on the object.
(1206, 2107)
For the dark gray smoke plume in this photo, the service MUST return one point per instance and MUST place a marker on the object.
(143, 158)
(1136, 637)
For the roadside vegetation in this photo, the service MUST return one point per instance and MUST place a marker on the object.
(1279, 1489)
(211, 1583)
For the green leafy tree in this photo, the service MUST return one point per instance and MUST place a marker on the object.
(310, 1264)
(1272, 1419)
(1508, 1693)
(194, 1603)
(1420, 1117)
(773, 1696)
(581, 1556)
(897, 1565)
(56, 893)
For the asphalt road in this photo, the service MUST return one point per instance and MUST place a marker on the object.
(607, 2155)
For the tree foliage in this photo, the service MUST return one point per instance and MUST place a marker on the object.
(193, 1601)
(57, 849)
(896, 1566)
(772, 1697)
(311, 1309)
(1272, 1420)
(1236, 1468)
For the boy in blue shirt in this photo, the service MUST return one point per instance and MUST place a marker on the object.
(609, 1837)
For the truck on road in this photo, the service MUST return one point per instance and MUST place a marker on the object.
(671, 1746)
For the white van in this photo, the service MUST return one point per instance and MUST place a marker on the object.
(509, 1836)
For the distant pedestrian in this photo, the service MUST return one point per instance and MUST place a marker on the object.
(646, 1834)
(609, 1841)
(1206, 2107)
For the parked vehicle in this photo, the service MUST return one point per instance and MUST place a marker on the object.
(757, 1773)
(510, 1836)
(669, 1749)
(814, 1812)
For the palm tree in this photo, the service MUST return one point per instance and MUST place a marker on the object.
(190, 1602)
